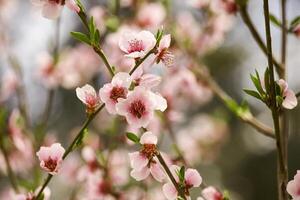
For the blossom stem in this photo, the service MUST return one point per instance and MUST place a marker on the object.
(96, 48)
(282, 170)
(247, 20)
(170, 175)
(10, 173)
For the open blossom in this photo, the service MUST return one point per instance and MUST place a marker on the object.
(163, 54)
(211, 193)
(293, 187)
(143, 162)
(289, 97)
(192, 179)
(51, 158)
(137, 45)
(118, 88)
(140, 105)
(51, 8)
(148, 81)
(89, 97)
(31, 195)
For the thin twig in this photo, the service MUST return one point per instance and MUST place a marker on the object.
(282, 194)
(170, 175)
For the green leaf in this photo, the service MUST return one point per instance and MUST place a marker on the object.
(257, 83)
(294, 23)
(97, 37)
(80, 5)
(226, 195)
(253, 93)
(275, 20)
(81, 37)
(279, 100)
(79, 141)
(232, 105)
(181, 174)
(133, 137)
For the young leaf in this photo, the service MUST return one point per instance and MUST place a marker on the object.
(80, 139)
(256, 81)
(80, 5)
(294, 23)
(274, 20)
(253, 93)
(181, 174)
(133, 137)
(81, 37)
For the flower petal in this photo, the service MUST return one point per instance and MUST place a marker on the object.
(140, 174)
(193, 178)
(148, 138)
(157, 172)
(169, 191)
(290, 100)
(137, 160)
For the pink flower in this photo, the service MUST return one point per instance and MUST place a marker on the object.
(296, 31)
(89, 97)
(289, 98)
(140, 105)
(51, 8)
(110, 93)
(31, 195)
(143, 162)
(293, 187)
(211, 193)
(148, 81)
(9, 84)
(164, 55)
(151, 15)
(51, 158)
(192, 179)
(137, 45)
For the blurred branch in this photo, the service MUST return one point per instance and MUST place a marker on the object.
(247, 20)
(11, 176)
(21, 91)
(246, 117)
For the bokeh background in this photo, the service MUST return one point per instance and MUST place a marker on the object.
(246, 162)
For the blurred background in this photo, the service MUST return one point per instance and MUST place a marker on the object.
(240, 161)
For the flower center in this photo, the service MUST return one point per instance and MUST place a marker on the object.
(90, 100)
(51, 164)
(104, 187)
(118, 92)
(135, 45)
(137, 108)
(149, 150)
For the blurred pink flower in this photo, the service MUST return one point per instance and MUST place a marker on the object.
(51, 158)
(32, 196)
(192, 179)
(47, 72)
(110, 93)
(151, 15)
(140, 105)
(296, 31)
(211, 193)
(289, 98)
(164, 55)
(143, 162)
(293, 186)
(137, 45)
(9, 85)
(52, 8)
(89, 97)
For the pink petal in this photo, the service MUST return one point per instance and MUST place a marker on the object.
(140, 174)
(122, 79)
(43, 153)
(290, 100)
(51, 10)
(148, 39)
(150, 80)
(137, 160)
(84, 91)
(169, 191)
(157, 172)
(72, 5)
(160, 103)
(165, 42)
(148, 138)
(283, 84)
(193, 178)
(57, 151)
